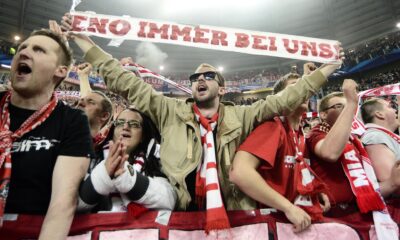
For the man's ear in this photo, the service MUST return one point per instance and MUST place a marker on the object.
(105, 116)
(60, 74)
(379, 115)
(61, 71)
(221, 91)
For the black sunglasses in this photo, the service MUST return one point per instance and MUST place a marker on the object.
(207, 76)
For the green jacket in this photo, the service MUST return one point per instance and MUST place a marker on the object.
(181, 148)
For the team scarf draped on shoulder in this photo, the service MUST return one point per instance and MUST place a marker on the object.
(366, 197)
(308, 185)
(7, 138)
(207, 182)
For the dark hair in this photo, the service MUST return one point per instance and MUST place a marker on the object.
(368, 109)
(67, 56)
(152, 165)
(282, 82)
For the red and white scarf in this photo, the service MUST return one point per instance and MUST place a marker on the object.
(366, 197)
(385, 227)
(388, 132)
(207, 182)
(307, 184)
(7, 137)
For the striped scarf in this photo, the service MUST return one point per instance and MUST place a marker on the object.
(207, 183)
(7, 137)
(307, 184)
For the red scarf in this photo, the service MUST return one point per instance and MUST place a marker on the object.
(100, 137)
(207, 182)
(7, 137)
(367, 198)
(307, 184)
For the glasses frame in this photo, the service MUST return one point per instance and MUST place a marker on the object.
(335, 106)
(208, 76)
(131, 123)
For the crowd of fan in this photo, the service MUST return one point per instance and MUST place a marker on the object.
(365, 83)
(375, 48)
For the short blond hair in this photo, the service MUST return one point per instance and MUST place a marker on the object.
(221, 79)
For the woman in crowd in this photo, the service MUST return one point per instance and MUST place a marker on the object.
(129, 177)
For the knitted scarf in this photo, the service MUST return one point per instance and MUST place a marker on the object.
(367, 198)
(7, 138)
(307, 184)
(207, 183)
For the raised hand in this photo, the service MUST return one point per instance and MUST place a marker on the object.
(328, 68)
(84, 69)
(114, 158)
(308, 68)
(350, 91)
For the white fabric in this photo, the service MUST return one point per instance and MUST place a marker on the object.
(159, 195)
(102, 182)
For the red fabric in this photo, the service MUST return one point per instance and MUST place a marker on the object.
(284, 151)
(367, 198)
(332, 174)
(135, 210)
(270, 143)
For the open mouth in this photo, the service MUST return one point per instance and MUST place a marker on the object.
(125, 135)
(201, 89)
(23, 69)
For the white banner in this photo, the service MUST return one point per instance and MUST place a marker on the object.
(209, 37)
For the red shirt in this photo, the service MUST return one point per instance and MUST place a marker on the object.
(332, 173)
(270, 143)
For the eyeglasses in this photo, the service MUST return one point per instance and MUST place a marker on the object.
(207, 76)
(131, 123)
(335, 106)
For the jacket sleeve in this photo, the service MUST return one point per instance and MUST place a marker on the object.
(284, 102)
(133, 88)
(151, 192)
(95, 185)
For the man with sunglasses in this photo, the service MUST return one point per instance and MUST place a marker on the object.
(202, 128)
(337, 157)
(382, 144)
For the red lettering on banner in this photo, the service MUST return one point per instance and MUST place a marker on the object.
(242, 40)
(272, 46)
(288, 48)
(176, 31)
(97, 26)
(305, 47)
(125, 27)
(199, 35)
(257, 40)
(141, 32)
(325, 50)
(219, 38)
(76, 21)
(154, 29)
